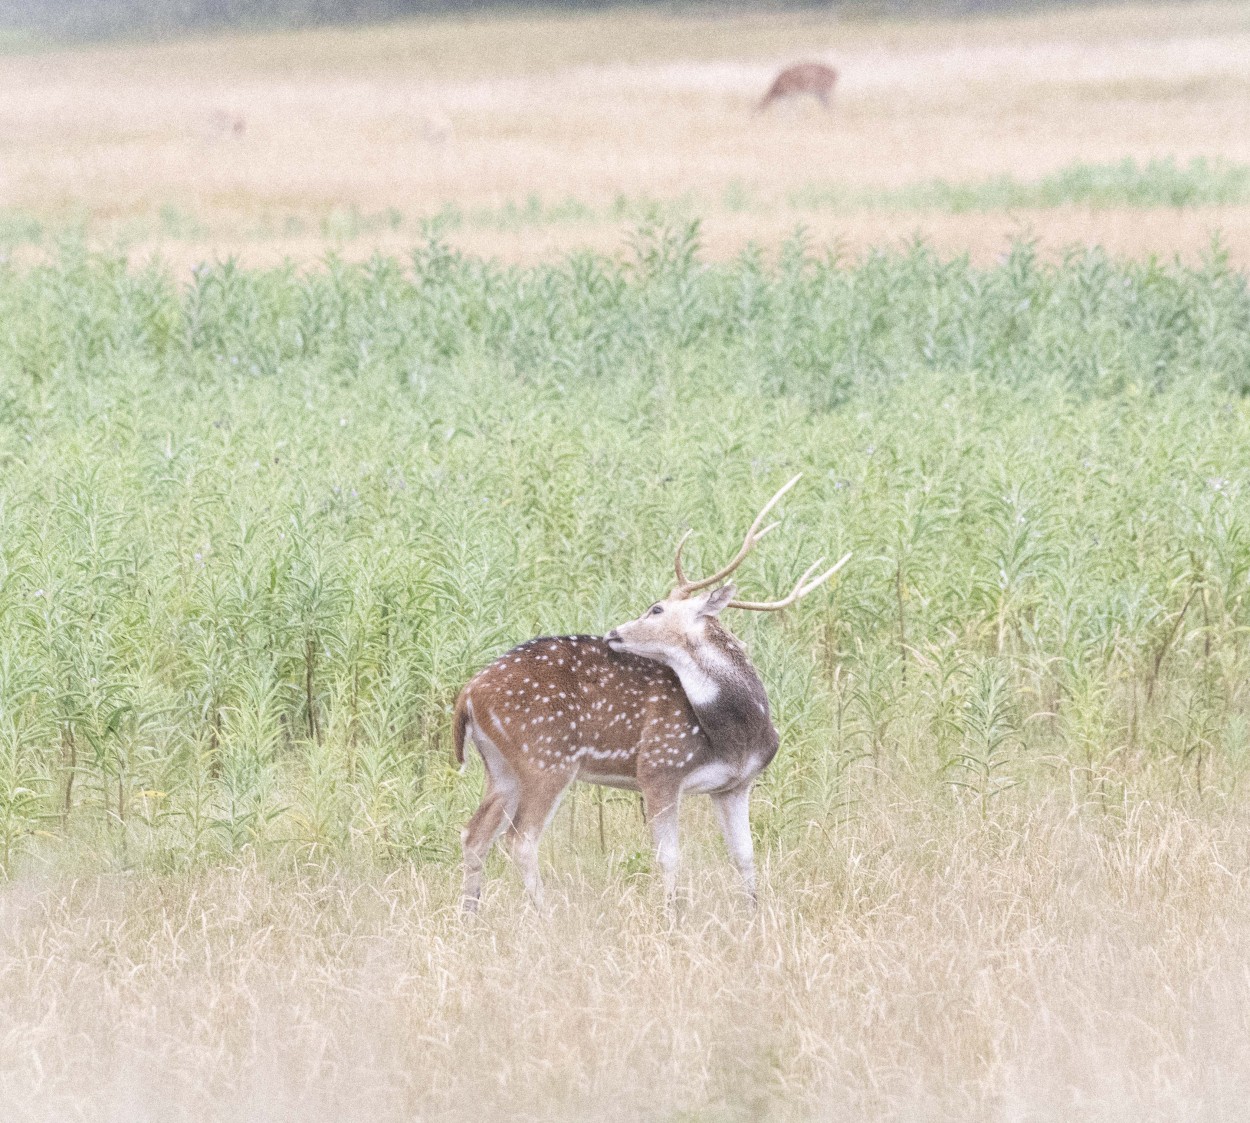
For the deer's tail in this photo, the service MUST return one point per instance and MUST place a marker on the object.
(460, 725)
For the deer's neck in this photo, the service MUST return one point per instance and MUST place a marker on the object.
(726, 694)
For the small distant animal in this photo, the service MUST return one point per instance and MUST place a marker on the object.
(813, 78)
(231, 123)
(436, 127)
(667, 705)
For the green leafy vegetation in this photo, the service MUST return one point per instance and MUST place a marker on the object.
(258, 529)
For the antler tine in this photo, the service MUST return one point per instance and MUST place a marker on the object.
(799, 591)
(681, 577)
(748, 543)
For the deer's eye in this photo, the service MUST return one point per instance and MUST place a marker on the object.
(656, 609)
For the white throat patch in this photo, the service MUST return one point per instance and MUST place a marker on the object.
(700, 687)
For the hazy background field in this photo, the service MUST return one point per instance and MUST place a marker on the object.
(530, 135)
(261, 518)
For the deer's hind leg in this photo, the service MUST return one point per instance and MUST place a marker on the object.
(493, 815)
(538, 803)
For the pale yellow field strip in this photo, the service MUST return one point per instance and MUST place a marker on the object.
(1160, 233)
(481, 113)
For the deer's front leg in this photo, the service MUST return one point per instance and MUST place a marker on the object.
(661, 808)
(733, 812)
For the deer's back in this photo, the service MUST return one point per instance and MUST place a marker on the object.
(572, 703)
(808, 76)
(803, 78)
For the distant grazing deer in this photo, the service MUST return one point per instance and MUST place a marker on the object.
(666, 705)
(436, 127)
(229, 123)
(813, 78)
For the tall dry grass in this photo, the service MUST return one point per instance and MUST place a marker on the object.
(1064, 960)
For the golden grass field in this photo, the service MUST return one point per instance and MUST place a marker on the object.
(137, 143)
(917, 964)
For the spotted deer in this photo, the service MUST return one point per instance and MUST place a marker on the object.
(666, 705)
(813, 78)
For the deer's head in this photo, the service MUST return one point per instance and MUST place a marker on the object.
(677, 624)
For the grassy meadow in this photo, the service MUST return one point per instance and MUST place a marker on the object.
(333, 363)
(259, 528)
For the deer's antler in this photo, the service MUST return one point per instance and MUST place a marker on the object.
(685, 586)
(799, 591)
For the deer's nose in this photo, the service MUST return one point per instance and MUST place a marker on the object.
(613, 634)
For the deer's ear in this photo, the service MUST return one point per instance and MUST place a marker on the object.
(716, 600)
